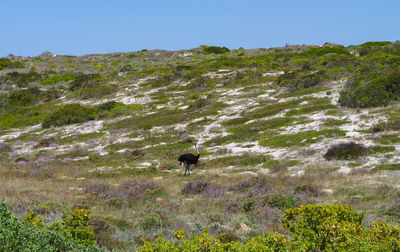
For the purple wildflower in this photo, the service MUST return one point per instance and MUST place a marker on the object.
(92, 141)
(66, 160)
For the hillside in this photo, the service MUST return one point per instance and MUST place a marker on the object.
(276, 128)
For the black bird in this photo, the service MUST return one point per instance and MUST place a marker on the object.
(189, 159)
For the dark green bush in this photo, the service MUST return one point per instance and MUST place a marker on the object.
(69, 114)
(346, 151)
(107, 106)
(23, 79)
(370, 47)
(319, 51)
(16, 235)
(85, 81)
(379, 91)
(215, 50)
(6, 63)
(376, 43)
(23, 97)
(96, 92)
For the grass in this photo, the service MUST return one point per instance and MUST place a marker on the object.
(320, 104)
(271, 109)
(390, 167)
(299, 139)
(335, 122)
(246, 159)
(389, 139)
(302, 92)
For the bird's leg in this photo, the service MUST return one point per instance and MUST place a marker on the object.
(185, 169)
(189, 170)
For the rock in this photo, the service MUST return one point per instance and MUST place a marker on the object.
(244, 227)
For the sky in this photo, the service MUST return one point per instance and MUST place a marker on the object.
(78, 27)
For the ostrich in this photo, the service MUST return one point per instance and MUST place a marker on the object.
(189, 159)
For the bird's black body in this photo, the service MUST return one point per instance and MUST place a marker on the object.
(189, 159)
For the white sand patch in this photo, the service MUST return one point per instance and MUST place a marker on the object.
(154, 145)
(159, 129)
(238, 148)
(232, 92)
(128, 100)
(273, 74)
(14, 133)
(344, 169)
(184, 107)
(180, 126)
(219, 74)
(297, 128)
(144, 80)
(267, 93)
(78, 129)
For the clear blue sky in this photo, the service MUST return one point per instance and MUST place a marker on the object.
(76, 27)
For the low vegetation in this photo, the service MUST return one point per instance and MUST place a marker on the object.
(69, 114)
(312, 227)
(346, 151)
(284, 134)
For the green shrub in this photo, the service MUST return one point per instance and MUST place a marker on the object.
(301, 80)
(312, 227)
(94, 157)
(69, 114)
(370, 47)
(6, 63)
(319, 51)
(215, 50)
(23, 79)
(85, 81)
(76, 225)
(346, 151)
(16, 235)
(57, 79)
(379, 91)
(22, 97)
(376, 43)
